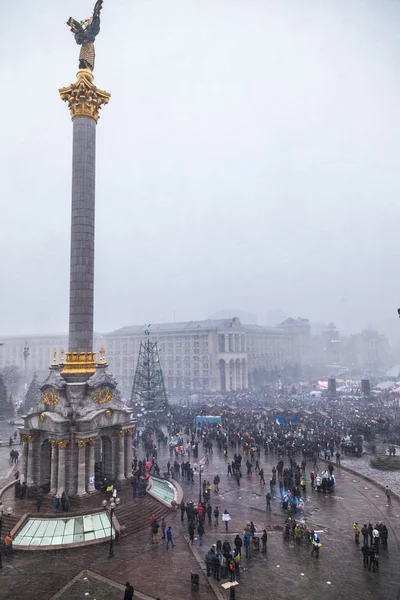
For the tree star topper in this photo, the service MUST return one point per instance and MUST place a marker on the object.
(85, 34)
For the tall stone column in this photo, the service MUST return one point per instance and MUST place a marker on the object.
(81, 489)
(62, 476)
(84, 101)
(24, 465)
(90, 483)
(30, 475)
(121, 455)
(54, 467)
(81, 298)
(128, 453)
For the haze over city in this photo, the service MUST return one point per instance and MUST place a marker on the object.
(249, 163)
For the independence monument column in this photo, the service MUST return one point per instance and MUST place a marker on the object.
(85, 101)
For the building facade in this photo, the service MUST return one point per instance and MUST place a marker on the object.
(196, 356)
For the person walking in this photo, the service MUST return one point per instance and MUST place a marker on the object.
(357, 531)
(365, 553)
(216, 566)
(370, 530)
(238, 543)
(57, 502)
(183, 509)
(169, 538)
(154, 528)
(264, 539)
(209, 513)
(365, 534)
(64, 502)
(216, 516)
(316, 543)
(8, 544)
(261, 474)
(39, 499)
(191, 529)
(268, 499)
(129, 591)
(375, 538)
(209, 560)
(226, 517)
(388, 493)
(200, 531)
(246, 540)
(163, 526)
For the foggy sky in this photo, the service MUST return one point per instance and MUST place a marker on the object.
(249, 158)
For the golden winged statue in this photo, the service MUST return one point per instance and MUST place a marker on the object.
(85, 34)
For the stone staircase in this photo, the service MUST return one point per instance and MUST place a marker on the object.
(133, 514)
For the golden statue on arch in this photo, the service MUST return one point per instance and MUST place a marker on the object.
(85, 34)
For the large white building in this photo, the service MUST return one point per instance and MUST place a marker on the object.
(209, 355)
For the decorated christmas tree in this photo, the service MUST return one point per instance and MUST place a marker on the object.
(148, 392)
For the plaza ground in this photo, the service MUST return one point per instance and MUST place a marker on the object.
(286, 572)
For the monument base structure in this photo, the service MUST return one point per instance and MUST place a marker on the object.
(80, 432)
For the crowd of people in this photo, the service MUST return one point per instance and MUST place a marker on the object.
(305, 448)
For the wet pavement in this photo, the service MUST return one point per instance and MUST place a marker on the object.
(362, 466)
(286, 572)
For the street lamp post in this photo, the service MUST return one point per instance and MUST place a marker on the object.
(26, 353)
(111, 506)
(200, 467)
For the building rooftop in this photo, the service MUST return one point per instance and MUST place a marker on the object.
(206, 325)
(221, 325)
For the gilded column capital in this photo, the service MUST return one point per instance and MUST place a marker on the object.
(81, 443)
(83, 97)
(121, 433)
(53, 443)
(29, 437)
(62, 444)
(92, 440)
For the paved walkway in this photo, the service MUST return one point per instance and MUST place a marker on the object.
(287, 572)
(362, 466)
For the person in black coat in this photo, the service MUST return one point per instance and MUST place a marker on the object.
(129, 591)
(238, 543)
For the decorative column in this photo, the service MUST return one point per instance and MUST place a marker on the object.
(61, 479)
(90, 483)
(227, 377)
(81, 489)
(84, 101)
(239, 374)
(54, 467)
(245, 376)
(24, 452)
(30, 476)
(120, 455)
(226, 342)
(234, 376)
(128, 453)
